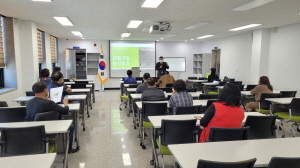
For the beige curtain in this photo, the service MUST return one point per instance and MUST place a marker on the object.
(53, 49)
(39, 43)
(1, 45)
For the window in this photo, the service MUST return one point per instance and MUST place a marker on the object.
(2, 65)
(53, 46)
(40, 47)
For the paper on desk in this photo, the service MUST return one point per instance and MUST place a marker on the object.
(56, 94)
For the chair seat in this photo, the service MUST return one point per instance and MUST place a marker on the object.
(163, 149)
(124, 97)
(51, 148)
(263, 111)
(147, 124)
(213, 93)
(286, 115)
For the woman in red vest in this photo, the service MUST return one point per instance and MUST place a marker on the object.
(226, 112)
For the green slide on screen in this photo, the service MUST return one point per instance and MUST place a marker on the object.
(124, 57)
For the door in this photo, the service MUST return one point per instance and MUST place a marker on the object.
(215, 60)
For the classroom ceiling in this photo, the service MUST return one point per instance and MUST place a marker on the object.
(107, 19)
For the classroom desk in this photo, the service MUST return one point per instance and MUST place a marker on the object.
(28, 161)
(195, 103)
(210, 84)
(87, 86)
(284, 101)
(89, 97)
(86, 80)
(156, 122)
(82, 100)
(124, 86)
(23, 99)
(193, 81)
(187, 155)
(248, 94)
(91, 82)
(51, 127)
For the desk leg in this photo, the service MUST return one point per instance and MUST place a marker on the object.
(82, 110)
(22, 103)
(66, 140)
(154, 160)
(90, 99)
(93, 87)
(76, 129)
(130, 103)
(134, 116)
(87, 105)
(121, 88)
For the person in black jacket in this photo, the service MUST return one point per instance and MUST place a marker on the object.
(161, 67)
(213, 76)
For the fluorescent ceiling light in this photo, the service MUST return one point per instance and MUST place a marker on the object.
(77, 33)
(252, 4)
(83, 38)
(194, 26)
(134, 23)
(42, 0)
(171, 35)
(206, 36)
(245, 27)
(64, 21)
(157, 40)
(125, 35)
(151, 3)
(192, 39)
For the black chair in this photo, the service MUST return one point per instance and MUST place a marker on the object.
(133, 86)
(191, 89)
(213, 164)
(81, 82)
(176, 132)
(66, 80)
(261, 127)
(170, 85)
(139, 78)
(284, 162)
(241, 87)
(167, 89)
(250, 87)
(264, 105)
(209, 103)
(169, 96)
(228, 134)
(181, 110)
(23, 141)
(78, 86)
(29, 93)
(194, 78)
(202, 78)
(208, 96)
(222, 83)
(12, 114)
(154, 99)
(130, 82)
(237, 82)
(3, 104)
(47, 116)
(288, 93)
(231, 79)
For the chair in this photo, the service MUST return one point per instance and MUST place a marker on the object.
(292, 116)
(181, 110)
(194, 78)
(66, 80)
(47, 116)
(209, 103)
(202, 78)
(208, 96)
(23, 141)
(130, 82)
(284, 162)
(241, 87)
(81, 82)
(133, 86)
(170, 85)
(261, 127)
(150, 109)
(139, 78)
(222, 83)
(3, 104)
(12, 114)
(191, 90)
(250, 87)
(176, 132)
(29, 93)
(288, 93)
(237, 82)
(264, 105)
(228, 134)
(167, 89)
(213, 164)
(124, 100)
(78, 86)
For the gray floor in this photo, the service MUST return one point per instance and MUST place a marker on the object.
(110, 140)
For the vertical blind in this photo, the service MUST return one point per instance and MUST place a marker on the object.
(1, 44)
(53, 45)
(39, 43)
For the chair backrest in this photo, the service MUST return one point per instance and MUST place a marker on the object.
(284, 162)
(222, 83)
(250, 87)
(202, 78)
(3, 104)
(228, 134)
(213, 164)
(130, 82)
(178, 131)
(23, 141)
(133, 86)
(192, 78)
(261, 127)
(208, 96)
(170, 85)
(153, 109)
(169, 96)
(266, 104)
(12, 114)
(241, 87)
(181, 110)
(295, 106)
(78, 86)
(81, 82)
(139, 78)
(47, 116)
(67, 80)
(191, 90)
(29, 93)
(288, 93)
(237, 82)
(166, 89)
(210, 102)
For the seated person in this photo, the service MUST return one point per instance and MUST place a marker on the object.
(163, 80)
(263, 86)
(56, 69)
(212, 77)
(40, 104)
(57, 80)
(152, 92)
(226, 112)
(143, 86)
(129, 79)
(44, 76)
(179, 96)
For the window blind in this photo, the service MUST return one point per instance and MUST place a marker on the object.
(53, 45)
(1, 44)
(39, 43)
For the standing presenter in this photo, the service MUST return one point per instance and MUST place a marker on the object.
(161, 67)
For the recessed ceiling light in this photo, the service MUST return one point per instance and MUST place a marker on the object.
(157, 40)
(121, 39)
(77, 33)
(64, 21)
(125, 35)
(206, 36)
(192, 39)
(134, 23)
(42, 0)
(194, 26)
(185, 40)
(161, 38)
(252, 4)
(245, 27)
(83, 38)
(151, 3)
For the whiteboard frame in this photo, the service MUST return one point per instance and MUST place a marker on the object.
(177, 57)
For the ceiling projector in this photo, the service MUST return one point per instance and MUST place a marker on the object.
(161, 28)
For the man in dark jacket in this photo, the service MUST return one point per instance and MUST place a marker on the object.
(161, 67)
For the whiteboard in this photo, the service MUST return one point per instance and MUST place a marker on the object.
(176, 64)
